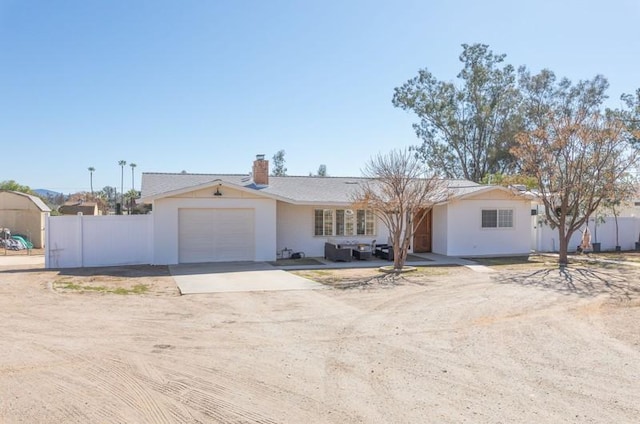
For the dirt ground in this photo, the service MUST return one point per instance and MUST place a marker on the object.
(526, 343)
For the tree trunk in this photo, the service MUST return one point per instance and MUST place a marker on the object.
(564, 243)
(399, 257)
(397, 253)
(404, 241)
(400, 252)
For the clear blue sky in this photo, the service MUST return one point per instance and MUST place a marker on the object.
(203, 86)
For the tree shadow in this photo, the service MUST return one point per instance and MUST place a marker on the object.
(620, 284)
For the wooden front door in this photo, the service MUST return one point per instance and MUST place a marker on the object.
(422, 236)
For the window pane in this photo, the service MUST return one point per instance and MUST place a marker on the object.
(505, 218)
(360, 222)
(349, 223)
(489, 218)
(365, 222)
(369, 224)
(340, 222)
(328, 222)
(317, 222)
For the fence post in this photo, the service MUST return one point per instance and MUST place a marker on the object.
(150, 239)
(47, 226)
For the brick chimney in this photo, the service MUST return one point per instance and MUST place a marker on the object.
(261, 170)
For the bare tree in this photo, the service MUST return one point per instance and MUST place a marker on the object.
(400, 191)
(578, 153)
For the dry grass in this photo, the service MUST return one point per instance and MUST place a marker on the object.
(350, 277)
(517, 262)
(124, 280)
(626, 256)
(66, 286)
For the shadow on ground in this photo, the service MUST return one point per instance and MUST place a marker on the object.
(31, 269)
(621, 284)
(131, 271)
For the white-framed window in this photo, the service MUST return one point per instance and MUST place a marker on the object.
(364, 222)
(497, 218)
(343, 222)
(323, 222)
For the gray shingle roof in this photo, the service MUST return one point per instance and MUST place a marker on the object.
(304, 190)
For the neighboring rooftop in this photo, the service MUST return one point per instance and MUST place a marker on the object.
(76, 206)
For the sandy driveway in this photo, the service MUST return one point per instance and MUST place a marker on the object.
(452, 346)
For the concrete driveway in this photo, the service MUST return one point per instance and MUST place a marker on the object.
(236, 277)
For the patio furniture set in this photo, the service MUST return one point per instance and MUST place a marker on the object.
(360, 251)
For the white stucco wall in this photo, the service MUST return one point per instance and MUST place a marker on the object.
(165, 223)
(295, 230)
(628, 235)
(466, 237)
(439, 229)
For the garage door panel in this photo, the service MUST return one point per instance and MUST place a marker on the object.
(234, 230)
(194, 234)
(210, 235)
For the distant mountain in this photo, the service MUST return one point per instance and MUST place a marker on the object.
(47, 193)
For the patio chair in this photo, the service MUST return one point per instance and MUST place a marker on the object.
(335, 253)
(384, 251)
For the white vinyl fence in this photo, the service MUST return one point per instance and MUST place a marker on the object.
(86, 241)
(605, 234)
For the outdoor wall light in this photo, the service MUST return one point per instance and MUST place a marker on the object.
(217, 193)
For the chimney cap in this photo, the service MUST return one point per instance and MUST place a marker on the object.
(260, 157)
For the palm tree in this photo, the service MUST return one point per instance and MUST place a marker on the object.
(132, 165)
(110, 194)
(91, 170)
(122, 163)
(130, 197)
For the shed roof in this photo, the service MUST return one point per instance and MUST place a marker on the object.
(38, 202)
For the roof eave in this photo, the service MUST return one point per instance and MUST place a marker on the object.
(485, 189)
(211, 184)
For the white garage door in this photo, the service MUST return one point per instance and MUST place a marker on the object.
(216, 235)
